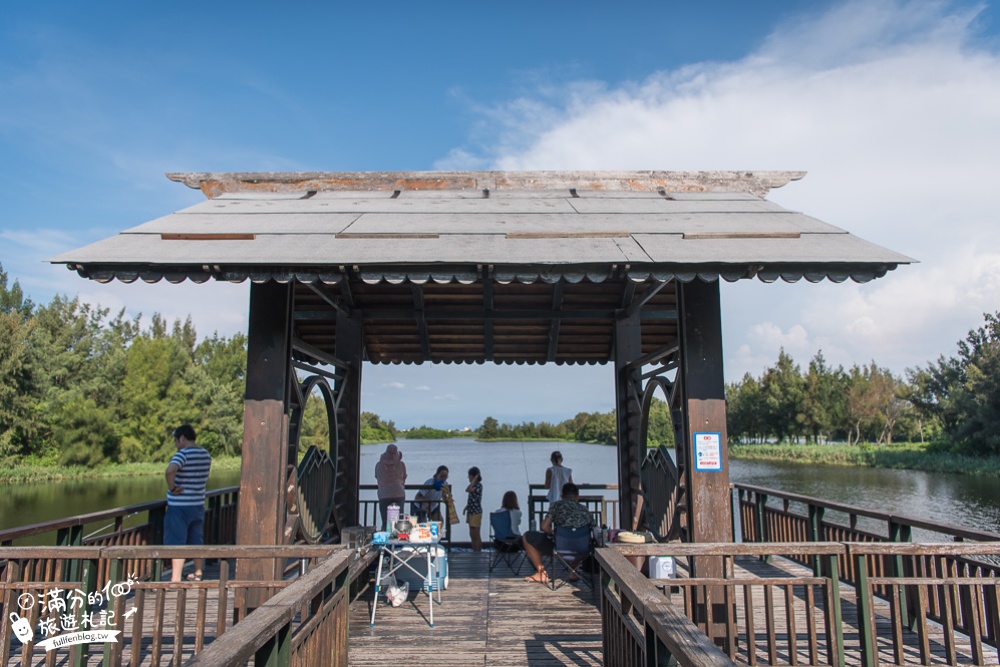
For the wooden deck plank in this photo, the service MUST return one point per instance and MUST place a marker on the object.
(497, 620)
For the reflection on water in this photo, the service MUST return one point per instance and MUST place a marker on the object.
(973, 502)
(25, 504)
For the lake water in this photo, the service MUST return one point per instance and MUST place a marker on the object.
(968, 501)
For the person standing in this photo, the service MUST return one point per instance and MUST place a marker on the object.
(187, 477)
(474, 508)
(390, 473)
(557, 476)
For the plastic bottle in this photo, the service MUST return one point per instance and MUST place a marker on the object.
(391, 515)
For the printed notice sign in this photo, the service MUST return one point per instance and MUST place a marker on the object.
(708, 452)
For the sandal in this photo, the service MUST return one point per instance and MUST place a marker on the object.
(194, 577)
(538, 578)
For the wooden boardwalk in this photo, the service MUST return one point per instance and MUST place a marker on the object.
(500, 620)
(485, 619)
(496, 619)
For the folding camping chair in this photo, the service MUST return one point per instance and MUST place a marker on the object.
(572, 549)
(507, 546)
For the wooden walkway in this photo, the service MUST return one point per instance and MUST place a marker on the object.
(485, 619)
(496, 619)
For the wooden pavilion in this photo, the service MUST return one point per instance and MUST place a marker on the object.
(475, 267)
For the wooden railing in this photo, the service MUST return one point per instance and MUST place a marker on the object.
(163, 622)
(928, 586)
(767, 515)
(928, 614)
(368, 507)
(132, 525)
(641, 627)
(304, 625)
(604, 509)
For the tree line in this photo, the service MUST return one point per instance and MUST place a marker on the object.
(954, 401)
(596, 427)
(80, 386)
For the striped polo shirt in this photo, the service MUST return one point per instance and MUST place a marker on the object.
(192, 476)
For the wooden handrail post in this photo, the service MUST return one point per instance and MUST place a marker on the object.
(869, 649)
(657, 653)
(835, 614)
(759, 515)
(900, 532)
(115, 569)
(87, 571)
(70, 536)
(815, 533)
(277, 651)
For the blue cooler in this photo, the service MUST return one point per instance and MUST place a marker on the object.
(419, 563)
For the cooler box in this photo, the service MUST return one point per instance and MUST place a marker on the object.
(419, 563)
(662, 567)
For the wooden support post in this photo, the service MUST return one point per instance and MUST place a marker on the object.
(349, 347)
(866, 622)
(628, 410)
(703, 384)
(816, 533)
(834, 613)
(903, 568)
(710, 517)
(261, 518)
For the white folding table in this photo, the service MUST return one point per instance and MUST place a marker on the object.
(397, 554)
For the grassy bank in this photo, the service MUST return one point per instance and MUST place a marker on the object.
(905, 456)
(19, 473)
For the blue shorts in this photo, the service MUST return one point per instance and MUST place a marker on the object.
(184, 525)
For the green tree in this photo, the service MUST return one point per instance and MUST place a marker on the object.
(155, 397)
(660, 427)
(18, 383)
(783, 389)
(963, 391)
(489, 430)
(746, 420)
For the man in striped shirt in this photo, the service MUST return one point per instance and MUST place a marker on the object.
(187, 476)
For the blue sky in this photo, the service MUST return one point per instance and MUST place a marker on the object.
(892, 107)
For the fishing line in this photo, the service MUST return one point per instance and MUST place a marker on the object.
(524, 457)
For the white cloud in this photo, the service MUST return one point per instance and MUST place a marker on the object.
(894, 110)
(395, 385)
(446, 397)
(422, 387)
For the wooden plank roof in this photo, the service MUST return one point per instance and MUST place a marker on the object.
(516, 267)
(651, 225)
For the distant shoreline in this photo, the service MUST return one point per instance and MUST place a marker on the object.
(901, 456)
(32, 472)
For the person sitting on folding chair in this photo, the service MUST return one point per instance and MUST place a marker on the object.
(567, 513)
(505, 533)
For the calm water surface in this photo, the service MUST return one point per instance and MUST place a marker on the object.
(957, 499)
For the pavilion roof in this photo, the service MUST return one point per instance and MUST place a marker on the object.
(445, 226)
(511, 267)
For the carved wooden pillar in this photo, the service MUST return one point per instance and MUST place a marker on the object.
(628, 411)
(704, 407)
(349, 348)
(261, 518)
(705, 413)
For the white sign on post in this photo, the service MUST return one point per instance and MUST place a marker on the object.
(708, 452)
